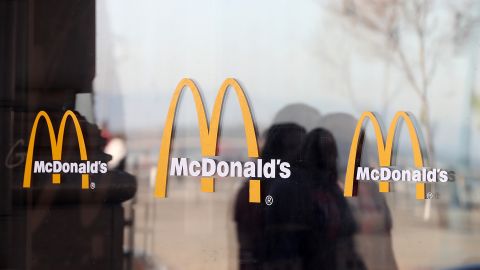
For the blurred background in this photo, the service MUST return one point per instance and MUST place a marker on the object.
(315, 63)
(345, 56)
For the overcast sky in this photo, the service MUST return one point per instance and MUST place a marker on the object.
(281, 51)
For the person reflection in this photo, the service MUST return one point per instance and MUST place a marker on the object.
(310, 225)
(369, 208)
(282, 142)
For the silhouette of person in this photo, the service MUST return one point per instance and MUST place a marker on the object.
(310, 226)
(369, 207)
(282, 142)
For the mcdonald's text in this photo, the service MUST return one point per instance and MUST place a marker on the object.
(209, 167)
(431, 175)
(69, 167)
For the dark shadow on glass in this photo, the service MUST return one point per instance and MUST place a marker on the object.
(49, 52)
(309, 225)
(369, 207)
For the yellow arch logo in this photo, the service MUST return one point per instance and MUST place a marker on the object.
(56, 145)
(385, 150)
(208, 134)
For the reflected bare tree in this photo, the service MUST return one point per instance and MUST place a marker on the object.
(407, 35)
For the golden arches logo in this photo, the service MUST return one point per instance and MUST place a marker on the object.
(208, 134)
(384, 149)
(56, 145)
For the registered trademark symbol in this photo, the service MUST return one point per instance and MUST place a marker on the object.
(269, 200)
(92, 185)
(429, 195)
